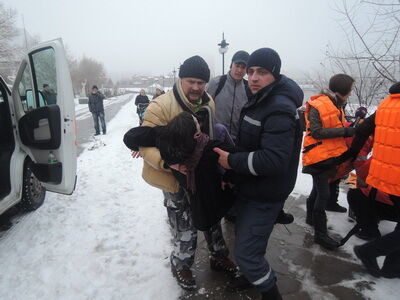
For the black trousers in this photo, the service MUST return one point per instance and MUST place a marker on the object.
(369, 211)
(320, 192)
(388, 245)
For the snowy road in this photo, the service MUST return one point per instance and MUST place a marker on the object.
(84, 120)
(109, 240)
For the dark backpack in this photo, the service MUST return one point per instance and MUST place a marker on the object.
(221, 84)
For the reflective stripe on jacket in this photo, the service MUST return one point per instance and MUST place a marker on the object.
(384, 173)
(315, 150)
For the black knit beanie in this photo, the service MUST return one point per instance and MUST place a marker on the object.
(266, 58)
(195, 67)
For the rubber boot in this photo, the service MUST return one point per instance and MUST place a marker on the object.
(309, 213)
(321, 236)
(272, 294)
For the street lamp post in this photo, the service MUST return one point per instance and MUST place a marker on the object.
(223, 48)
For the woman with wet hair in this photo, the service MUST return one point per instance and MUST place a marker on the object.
(188, 152)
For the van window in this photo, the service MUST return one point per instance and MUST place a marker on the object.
(45, 75)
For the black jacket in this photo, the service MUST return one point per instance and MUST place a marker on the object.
(141, 99)
(271, 134)
(96, 102)
(209, 203)
(50, 97)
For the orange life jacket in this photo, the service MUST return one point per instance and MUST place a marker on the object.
(384, 173)
(331, 117)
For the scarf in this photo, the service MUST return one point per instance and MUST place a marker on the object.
(192, 162)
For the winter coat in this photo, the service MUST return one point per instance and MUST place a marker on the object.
(159, 112)
(229, 102)
(270, 133)
(50, 97)
(141, 99)
(209, 203)
(96, 102)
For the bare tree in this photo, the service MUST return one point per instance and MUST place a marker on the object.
(376, 39)
(8, 32)
(370, 52)
(90, 70)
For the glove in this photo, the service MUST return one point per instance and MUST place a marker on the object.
(349, 131)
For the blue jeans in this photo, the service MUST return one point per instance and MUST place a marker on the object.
(96, 116)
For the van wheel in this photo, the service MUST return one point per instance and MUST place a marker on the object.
(33, 192)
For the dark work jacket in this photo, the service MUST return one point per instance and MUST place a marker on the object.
(141, 99)
(96, 102)
(49, 97)
(209, 203)
(270, 133)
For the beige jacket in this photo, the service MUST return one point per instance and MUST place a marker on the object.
(160, 111)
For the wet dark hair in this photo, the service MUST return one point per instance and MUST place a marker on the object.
(176, 140)
(341, 83)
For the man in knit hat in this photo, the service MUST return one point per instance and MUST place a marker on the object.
(230, 93)
(271, 136)
(188, 94)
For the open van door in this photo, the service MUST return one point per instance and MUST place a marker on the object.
(45, 111)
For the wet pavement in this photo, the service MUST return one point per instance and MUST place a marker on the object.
(304, 270)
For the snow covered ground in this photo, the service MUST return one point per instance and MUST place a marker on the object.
(110, 239)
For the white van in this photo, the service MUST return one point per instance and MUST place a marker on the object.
(37, 130)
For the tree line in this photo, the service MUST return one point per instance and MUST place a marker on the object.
(14, 43)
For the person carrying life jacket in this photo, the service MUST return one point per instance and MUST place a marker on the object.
(384, 176)
(324, 140)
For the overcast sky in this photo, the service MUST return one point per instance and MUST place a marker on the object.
(154, 36)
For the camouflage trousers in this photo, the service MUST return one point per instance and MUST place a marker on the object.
(184, 233)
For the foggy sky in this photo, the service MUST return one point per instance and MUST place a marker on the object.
(154, 36)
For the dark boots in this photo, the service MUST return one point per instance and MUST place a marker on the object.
(309, 212)
(272, 294)
(389, 246)
(367, 254)
(225, 265)
(184, 277)
(321, 236)
(284, 218)
(391, 266)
